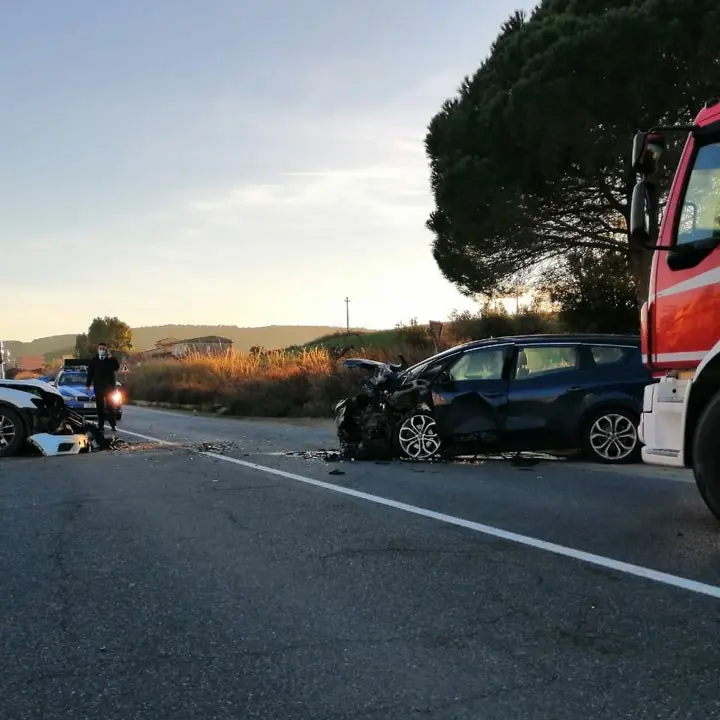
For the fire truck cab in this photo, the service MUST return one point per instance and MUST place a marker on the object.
(680, 321)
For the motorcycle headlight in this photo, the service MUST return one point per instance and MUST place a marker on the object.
(116, 397)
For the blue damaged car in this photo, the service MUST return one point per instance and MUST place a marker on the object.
(70, 383)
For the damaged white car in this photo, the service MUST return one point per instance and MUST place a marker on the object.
(35, 412)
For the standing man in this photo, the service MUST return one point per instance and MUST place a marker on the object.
(101, 375)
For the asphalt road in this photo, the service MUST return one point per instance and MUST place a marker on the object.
(160, 582)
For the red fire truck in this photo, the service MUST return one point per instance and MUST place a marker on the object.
(680, 321)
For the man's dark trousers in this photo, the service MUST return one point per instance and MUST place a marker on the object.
(104, 407)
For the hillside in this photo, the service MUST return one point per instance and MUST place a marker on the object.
(379, 339)
(271, 336)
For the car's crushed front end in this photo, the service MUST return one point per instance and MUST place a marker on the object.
(40, 405)
(35, 413)
(367, 422)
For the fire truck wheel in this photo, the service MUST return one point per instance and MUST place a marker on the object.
(611, 436)
(706, 460)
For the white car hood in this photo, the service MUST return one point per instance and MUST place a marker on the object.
(10, 389)
(17, 398)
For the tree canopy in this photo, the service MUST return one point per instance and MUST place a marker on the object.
(594, 292)
(531, 159)
(110, 330)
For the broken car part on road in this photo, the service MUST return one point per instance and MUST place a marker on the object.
(546, 393)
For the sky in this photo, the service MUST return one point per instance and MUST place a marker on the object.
(243, 162)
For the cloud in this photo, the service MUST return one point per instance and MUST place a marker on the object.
(394, 195)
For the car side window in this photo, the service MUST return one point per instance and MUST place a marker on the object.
(700, 213)
(541, 361)
(603, 355)
(482, 364)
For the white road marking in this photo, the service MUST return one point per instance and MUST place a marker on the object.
(147, 437)
(562, 550)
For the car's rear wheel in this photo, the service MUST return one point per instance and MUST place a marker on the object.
(12, 432)
(611, 437)
(416, 438)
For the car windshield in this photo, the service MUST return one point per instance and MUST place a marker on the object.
(75, 378)
(416, 370)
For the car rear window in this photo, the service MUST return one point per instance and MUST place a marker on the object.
(612, 354)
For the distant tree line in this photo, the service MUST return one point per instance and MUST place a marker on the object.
(111, 330)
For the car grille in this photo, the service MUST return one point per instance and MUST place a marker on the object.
(82, 398)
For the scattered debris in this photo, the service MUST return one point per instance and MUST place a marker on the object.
(322, 454)
(117, 444)
(521, 460)
(335, 471)
(219, 447)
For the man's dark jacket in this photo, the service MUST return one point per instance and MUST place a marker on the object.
(101, 373)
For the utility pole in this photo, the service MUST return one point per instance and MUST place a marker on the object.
(2, 360)
(347, 314)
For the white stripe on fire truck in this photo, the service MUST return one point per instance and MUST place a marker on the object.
(707, 278)
(677, 357)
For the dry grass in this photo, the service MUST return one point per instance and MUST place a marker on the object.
(306, 383)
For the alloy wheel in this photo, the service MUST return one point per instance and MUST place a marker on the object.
(7, 430)
(613, 437)
(418, 437)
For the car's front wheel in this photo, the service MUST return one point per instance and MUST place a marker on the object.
(12, 432)
(611, 437)
(417, 438)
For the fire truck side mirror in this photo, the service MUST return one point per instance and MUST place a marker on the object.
(643, 214)
(646, 152)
